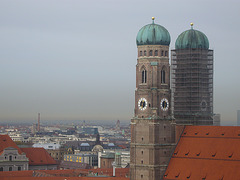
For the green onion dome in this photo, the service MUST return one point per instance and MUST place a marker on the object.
(153, 34)
(192, 39)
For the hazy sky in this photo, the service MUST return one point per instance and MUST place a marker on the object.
(75, 59)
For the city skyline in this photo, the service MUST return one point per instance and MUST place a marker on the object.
(72, 60)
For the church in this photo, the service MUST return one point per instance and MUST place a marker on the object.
(168, 96)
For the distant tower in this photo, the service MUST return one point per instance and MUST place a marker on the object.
(33, 129)
(118, 160)
(152, 130)
(97, 142)
(38, 127)
(84, 123)
(238, 117)
(118, 125)
(192, 79)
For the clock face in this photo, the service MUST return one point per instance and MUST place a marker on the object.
(142, 104)
(203, 105)
(164, 104)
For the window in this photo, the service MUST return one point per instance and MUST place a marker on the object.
(140, 53)
(10, 168)
(145, 53)
(156, 53)
(162, 53)
(10, 158)
(150, 53)
(144, 76)
(141, 161)
(19, 168)
(166, 53)
(141, 176)
(162, 76)
(142, 152)
(1, 168)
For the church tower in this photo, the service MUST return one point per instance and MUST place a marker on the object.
(152, 128)
(192, 79)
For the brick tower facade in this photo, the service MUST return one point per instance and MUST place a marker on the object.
(152, 128)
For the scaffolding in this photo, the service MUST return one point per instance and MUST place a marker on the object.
(192, 86)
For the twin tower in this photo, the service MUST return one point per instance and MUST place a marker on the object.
(157, 107)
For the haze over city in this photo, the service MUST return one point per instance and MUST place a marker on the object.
(75, 60)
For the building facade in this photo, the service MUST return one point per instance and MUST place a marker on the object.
(152, 127)
(11, 156)
(88, 158)
(192, 79)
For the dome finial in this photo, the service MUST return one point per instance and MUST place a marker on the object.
(153, 19)
(191, 25)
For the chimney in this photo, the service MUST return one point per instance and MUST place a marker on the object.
(38, 128)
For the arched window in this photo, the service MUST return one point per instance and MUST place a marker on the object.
(162, 53)
(19, 168)
(166, 53)
(163, 80)
(156, 53)
(10, 168)
(144, 76)
(10, 158)
(145, 53)
(140, 53)
(150, 53)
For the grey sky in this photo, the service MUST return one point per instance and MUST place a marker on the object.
(75, 59)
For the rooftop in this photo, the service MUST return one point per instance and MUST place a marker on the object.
(38, 156)
(5, 142)
(202, 152)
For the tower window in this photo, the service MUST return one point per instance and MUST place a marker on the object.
(150, 53)
(166, 53)
(144, 76)
(162, 53)
(140, 53)
(145, 53)
(156, 53)
(163, 76)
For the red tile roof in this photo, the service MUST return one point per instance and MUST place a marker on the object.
(16, 174)
(210, 152)
(69, 174)
(38, 156)
(64, 178)
(5, 142)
